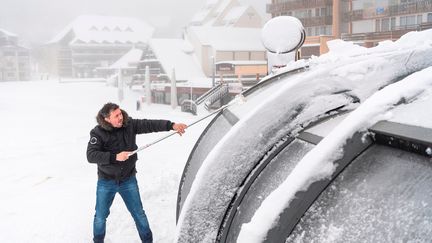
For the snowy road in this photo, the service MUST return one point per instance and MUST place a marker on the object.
(47, 187)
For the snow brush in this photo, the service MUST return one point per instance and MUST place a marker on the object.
(238, 98)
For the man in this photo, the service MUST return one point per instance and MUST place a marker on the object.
(111, 142)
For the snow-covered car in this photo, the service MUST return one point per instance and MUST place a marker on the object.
(332, 149)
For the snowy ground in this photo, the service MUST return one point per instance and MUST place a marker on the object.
(47, 187)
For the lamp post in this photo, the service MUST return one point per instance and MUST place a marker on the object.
(191, 95)
(120, 86)
(147, 85)
(213, 70)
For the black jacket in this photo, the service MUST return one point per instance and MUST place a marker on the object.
(106, 142)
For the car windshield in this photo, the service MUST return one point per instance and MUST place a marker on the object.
(385, 194)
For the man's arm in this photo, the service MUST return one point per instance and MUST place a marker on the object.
(95, 154)
(148, 126)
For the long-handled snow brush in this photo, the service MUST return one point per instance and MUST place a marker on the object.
(240, 97)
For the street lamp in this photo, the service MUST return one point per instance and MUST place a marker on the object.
(213, 70)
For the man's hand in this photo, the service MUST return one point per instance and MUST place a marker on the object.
(180, 128)
(122, 156)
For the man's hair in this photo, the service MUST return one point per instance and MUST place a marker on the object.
(107, 108)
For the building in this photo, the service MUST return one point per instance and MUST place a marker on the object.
(173, 58)
(226, 37)
(370, 22)
(222, 43)
(366, 22)
(124, 68)
(14, 58)
(229, 54)
(92, 42)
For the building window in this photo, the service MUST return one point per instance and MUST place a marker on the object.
(377, 25)
(324, 12)
(393, 23)
(385, 25)
(403, 21)
(419, 19)
(429, 17)
(309, 31)
(407, 20)
(8, 53)
(329, 30)
(411, 20)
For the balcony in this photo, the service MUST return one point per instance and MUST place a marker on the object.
(316, 21)
(411, 8)
(392, 10)
(393, 34)
(292, 5)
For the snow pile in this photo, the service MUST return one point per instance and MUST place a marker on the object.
(318, 163)
(283, 112)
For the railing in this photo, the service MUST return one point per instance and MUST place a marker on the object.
(410, 8)
(211, 91)
(210, 97)
(392, 10)
(317, 21)
(292, 5)
(393, 34)
(218, 94)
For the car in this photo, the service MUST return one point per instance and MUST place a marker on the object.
(248, 178)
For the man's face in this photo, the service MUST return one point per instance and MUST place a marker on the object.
(115, 118)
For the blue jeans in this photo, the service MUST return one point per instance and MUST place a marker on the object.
(128, 190)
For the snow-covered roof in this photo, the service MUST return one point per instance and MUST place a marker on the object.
(234, 14)
(106, 29)
(128, 60)
(177, 54)
(229, 39)
(211, 2)
(211, 11)
(200, 16)
(223, 4)
(5, 32)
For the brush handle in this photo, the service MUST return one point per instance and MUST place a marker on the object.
(172, 133)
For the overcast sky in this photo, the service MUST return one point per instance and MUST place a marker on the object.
(37, 21)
